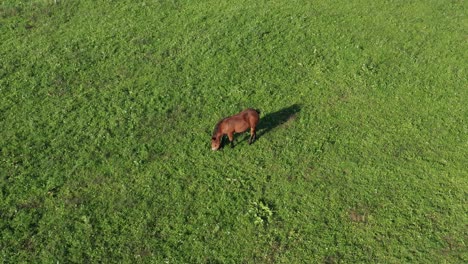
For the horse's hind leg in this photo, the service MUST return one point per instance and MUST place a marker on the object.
(253, 135)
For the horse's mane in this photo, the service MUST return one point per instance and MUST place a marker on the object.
(215, 131)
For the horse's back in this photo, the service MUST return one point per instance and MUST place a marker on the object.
(251, 112)
(252, 116)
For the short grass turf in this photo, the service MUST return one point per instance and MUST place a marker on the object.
(107, 108)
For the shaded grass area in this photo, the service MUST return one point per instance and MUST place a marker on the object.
(280, 117)
(107, 108)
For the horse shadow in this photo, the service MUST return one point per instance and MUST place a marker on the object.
(275, 119)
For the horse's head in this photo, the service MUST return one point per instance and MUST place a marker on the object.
(215, 143)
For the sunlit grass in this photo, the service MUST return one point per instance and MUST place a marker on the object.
(107, 109)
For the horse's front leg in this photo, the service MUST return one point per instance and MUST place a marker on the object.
(231, 138)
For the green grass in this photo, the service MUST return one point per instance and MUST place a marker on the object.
(107, 108)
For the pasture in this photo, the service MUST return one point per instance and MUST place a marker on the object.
(107, 110)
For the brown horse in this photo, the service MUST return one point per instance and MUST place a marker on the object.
(235, 124)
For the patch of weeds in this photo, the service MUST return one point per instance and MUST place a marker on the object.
(261, 212)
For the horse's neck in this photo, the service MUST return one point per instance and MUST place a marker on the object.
(218, 134)
(217, 131)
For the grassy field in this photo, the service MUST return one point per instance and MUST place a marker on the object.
(107, 108)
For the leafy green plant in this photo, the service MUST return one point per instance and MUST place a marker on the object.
(261, 213)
